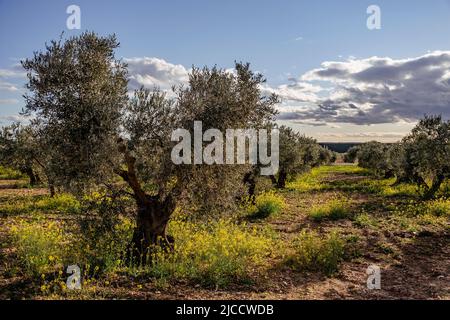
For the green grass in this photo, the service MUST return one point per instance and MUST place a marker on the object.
(439, 208)
(383, 187)
(318, 253)
(215, 254)
(345, 169)
(365, 220)
(42, 247)
(312, 181)
(335, 209)
(10, 174)
(267, 204)
(62, 203)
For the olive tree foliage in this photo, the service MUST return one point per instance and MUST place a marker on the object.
(77, 90)
(18, 151)
(351, 155)
(422, 157)
(96, 132)
(298, 154)
(23, 148)
(326, 156)
(375, 156)
(427, 154)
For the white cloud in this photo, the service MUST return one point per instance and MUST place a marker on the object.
(150, 72)
(13, 118)
(295, 91)
(16, 71)
(375, 90)
(9, 101)
(6, 86)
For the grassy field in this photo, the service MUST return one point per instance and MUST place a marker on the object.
(313, 240)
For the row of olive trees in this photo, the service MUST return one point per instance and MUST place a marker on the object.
(422, 157)
(87, 131)
(298, 154)
(22, 149)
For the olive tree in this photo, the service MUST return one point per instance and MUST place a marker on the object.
(351, 155)
(427, 154)
(326, 156)
(298, 154)
(375, 156)
(17, 151)
(78, 90)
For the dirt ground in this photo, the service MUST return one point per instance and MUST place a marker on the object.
(414, 265)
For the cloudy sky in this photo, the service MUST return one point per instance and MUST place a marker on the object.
(338, 80)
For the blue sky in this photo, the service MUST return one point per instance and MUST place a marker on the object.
(282, 39)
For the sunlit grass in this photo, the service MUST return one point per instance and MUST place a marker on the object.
(439, 207)
(313, 180)
(365, 220)
(266, 204)
(62, 203)
(313, 252)
(10, 174)
(334, 209)
(213, 254)
(42, 246)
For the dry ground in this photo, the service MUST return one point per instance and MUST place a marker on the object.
(415, 264)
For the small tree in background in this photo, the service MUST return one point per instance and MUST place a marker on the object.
(374, 155)
(351, 155)
(298, 154)
(18, 151)
(22, 148)
(326, 156)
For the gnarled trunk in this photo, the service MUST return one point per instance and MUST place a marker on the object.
(282, 176)
(34, 178)
(431, 191)
(249, 180)
(153, 213)
(152, 219)
(279, 183)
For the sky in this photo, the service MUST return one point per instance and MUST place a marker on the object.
(338, 80)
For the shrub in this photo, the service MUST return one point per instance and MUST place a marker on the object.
(10, 174)
(365, 220)
(105, 248)
(47, 246)
(439, 208)
(62, 203)
(267, 204)
(213, 254)
(316, 253)
(41, 247)
(335, 209)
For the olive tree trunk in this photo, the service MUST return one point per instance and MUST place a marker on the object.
(152, 216)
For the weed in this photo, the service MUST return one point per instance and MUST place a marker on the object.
(267, 204)
(316, 253)
(335, 209)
